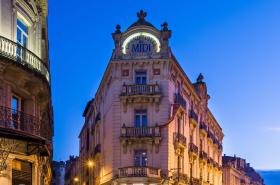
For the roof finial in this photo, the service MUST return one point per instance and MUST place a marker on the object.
(164, 26)
(118, 29)
(141, 15)
(200, 78)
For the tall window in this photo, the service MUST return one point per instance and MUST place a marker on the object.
(140, 158)
(180, 125)
(201, 144)
(15, 106)
(21, 172)
(141, 77)
(22, 37)
(141, 118)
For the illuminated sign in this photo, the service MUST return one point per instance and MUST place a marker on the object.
(141, 44)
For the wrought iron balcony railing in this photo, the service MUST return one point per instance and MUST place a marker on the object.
(193, 115)
(193, 148)
(203, 126)
(179, 99)
(20, 121)
(97, 149)
(23, 56)
(180, 138)
(180, 177)
(140, 131)
(135, 171)
(140, 89)
(195, 181)
(203, 155)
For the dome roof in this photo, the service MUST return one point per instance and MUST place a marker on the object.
(141, 20)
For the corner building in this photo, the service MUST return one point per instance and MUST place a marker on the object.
(148, 123)
(26, 120)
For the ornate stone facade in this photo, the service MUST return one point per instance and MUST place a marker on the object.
(237, 172)
(26, 123)
(148, 124)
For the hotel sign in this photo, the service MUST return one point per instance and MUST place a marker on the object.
(141, 44)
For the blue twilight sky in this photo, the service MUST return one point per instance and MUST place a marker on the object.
(234, 43)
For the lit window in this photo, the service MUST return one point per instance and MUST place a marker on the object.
(22, 37)
(140, 158)
(141, 119)
(141, 77)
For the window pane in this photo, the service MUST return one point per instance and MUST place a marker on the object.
(18, 35)
(15, 103)
(137, 121)
(144, 121)
(22, 26)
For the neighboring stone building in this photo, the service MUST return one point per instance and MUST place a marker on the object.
(148, 124)
(72, 171)
(26, 120)
(237, 172)
(58, 173)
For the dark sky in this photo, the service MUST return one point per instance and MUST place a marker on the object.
(234, 43)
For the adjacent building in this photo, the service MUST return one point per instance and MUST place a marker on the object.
(237, 172)
(26, 120)
(58, 172)
(72, 171)
(148, 123)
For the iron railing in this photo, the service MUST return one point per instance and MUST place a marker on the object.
(97, 149)
(140, 131)
(140, 89)
(180, 177)
(23, 56)
(193, 115)
(203, 155)
(136, 171)
(179, 99)
(203, 126)
(20, 121)
(193, 148)
(180, 138)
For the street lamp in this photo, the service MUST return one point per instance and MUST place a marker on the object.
(76, 179)
(90, 163)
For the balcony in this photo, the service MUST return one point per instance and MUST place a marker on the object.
(193, 118)
(180, 178)
(144, 93)
(211, 136)
(179, 140)
(195, 181)
(23, 57)
(179, 99)
(193, 149)
(203, 129)
(210, 161)
(97, 150)
(139, 172)
(203, 155)
(132, 135)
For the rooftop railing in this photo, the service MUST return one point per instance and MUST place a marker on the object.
(135, 171)
(20, 121)
(23, 56)
(140, 89)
